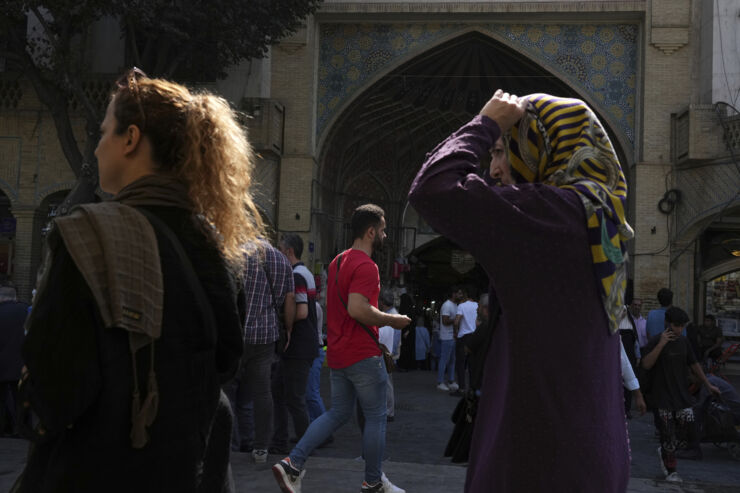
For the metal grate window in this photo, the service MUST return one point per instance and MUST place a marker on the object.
(97, 91)
(10, 94)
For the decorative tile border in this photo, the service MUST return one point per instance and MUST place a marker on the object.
(598, 59)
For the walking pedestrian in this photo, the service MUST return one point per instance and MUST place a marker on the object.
(294, 364)
(135, 324)
(357, 368)
(656, 324)
(547, 224)
(386, 336)
(447, 342)
(631, 348)
(422, 343)
(12, 317)
(464, 326)
(269, 303)
(314, 402)
(668, 356)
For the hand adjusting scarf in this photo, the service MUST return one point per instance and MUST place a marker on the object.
(560, 142)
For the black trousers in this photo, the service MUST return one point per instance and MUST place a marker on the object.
(290, 377)
(461, 363)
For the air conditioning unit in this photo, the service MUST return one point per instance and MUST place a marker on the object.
(697, 134)
(265, 123)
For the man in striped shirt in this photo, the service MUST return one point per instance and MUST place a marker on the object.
(289, 386)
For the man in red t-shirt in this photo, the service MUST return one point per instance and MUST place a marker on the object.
(357, 366)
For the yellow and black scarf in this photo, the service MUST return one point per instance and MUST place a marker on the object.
(560, 142)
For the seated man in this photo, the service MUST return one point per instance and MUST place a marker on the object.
(729, 396)
(710, 339)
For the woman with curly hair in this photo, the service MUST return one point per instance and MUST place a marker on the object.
(136, 322)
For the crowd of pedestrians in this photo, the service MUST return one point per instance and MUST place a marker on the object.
(167, 329)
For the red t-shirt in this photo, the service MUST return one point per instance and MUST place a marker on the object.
(347, 342)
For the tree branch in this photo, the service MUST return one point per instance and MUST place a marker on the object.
(47, 29)
(56, 101)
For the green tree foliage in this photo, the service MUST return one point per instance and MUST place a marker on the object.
(47, 41)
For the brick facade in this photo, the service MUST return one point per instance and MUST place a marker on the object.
(666, 83)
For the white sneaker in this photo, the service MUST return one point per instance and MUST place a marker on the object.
(259, 456)
(288, 477)
(454, 386)
(389, 487)
(674, 478)
(443, 386)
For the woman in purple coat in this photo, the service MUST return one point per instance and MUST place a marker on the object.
(550, 231)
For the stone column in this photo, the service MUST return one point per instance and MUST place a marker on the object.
(294, 86)
(23, 248)
(651, 251)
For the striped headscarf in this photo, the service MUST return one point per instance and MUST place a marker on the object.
(560, 142)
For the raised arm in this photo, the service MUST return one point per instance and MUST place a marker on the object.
(448, 193)
(648, 361)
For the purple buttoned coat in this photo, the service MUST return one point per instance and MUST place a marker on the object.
(551, 412)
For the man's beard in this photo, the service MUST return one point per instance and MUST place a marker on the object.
(377, 243)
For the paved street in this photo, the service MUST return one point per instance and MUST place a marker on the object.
(414, 448)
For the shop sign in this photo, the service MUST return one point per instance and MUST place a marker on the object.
(7, 225)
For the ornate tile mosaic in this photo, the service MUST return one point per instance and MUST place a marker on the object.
(597, 59)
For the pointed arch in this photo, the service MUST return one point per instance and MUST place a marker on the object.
(626, 147)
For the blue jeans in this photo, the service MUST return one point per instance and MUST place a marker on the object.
(366, 382)
(446, 361)
(314, 403)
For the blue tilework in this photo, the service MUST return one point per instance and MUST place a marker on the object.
(599, 60)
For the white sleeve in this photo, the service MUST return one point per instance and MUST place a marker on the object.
(385, 336)
(628, 375)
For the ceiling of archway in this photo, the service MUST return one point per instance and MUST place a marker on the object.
(389, 128)
(600, 60)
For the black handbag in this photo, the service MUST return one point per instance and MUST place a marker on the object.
(458, 446)
(387, 356)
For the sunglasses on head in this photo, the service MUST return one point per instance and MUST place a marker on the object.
(129, 81)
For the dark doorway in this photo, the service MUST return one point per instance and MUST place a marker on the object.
(387, 131)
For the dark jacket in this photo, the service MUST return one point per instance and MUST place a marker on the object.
(80, 382)
(12, 316)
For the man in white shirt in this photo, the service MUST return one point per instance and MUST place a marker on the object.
(639, 320)
(464, 324)
(629, 339)
(385, 337)
(448, 313)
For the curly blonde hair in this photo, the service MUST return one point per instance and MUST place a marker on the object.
(196, 138)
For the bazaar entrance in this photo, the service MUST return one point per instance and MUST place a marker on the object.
(374, 148)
